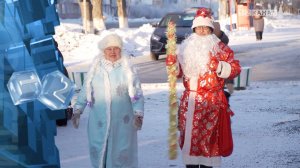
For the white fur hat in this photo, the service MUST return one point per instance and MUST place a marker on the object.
(109, 41)
(201, 21)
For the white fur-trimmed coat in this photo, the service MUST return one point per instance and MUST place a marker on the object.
(111, 132)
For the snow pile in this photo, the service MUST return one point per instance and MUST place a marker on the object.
(79, 47)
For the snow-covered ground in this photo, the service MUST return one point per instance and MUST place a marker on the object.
(266, 129)
(266, 125)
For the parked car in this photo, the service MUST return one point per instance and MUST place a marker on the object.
(183, 21)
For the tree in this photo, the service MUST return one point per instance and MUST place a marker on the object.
(86, 14)
(98, 20)
(122, 14)
(223, 9)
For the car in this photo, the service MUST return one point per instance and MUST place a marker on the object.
(183, 21)
(158, 40)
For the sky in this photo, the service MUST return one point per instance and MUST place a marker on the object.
(267, 113)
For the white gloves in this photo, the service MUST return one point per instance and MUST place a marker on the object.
(138, 122)
(75, 118)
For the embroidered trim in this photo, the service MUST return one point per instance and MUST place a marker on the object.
(108, 109)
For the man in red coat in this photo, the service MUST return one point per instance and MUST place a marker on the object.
(205, 63)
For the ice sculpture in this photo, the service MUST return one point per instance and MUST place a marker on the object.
(24, 86)
(57, 91)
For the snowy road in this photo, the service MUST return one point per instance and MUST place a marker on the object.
(275, 58)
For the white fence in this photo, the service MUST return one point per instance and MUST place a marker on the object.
(78, 78)
(240, 82)
(243, 80)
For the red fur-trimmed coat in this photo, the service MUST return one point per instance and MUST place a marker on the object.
(200, 106)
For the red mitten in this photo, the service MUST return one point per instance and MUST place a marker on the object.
(213, 64)
(179, 72)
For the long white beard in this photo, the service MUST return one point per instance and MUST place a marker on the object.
(194, 54)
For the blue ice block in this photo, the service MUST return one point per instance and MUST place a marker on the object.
(57, 91)
(24, 86)
(26, 43)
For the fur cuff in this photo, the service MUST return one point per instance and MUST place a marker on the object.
(78, 107)
(223, 70)
(139, 113)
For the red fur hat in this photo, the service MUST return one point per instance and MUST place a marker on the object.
(203, 18)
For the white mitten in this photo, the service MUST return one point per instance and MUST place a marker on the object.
(75, 118)
(138, 122)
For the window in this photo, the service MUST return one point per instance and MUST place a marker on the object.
(181, 20)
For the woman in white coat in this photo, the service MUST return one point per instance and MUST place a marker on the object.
(113, 93)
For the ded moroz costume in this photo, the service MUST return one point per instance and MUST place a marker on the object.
(205, 63)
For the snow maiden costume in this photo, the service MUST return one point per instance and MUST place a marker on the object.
(203, 98)
(113, 93)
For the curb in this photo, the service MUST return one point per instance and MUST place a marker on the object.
(140, 59)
